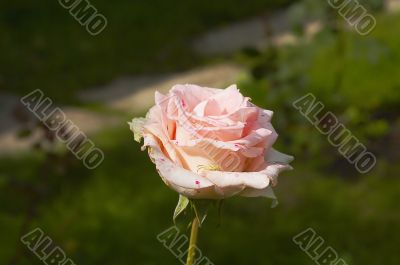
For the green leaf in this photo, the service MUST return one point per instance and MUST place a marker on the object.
(136, 127)
(181, 206)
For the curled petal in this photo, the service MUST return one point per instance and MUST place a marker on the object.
(259, 135)
(272, 171)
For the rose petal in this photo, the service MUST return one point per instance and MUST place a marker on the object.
(272, 171)
(193, 94)
(259, 135)
(171, 172)
(156, 131)
(257, 180)
(222, 103)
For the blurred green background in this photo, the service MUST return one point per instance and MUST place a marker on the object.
(112, 214)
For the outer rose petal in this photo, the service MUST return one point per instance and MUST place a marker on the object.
(213, 184)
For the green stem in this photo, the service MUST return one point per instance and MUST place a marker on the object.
(193, 241)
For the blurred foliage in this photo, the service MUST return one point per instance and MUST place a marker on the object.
(112, 215)
(48, 49)
(354, 76)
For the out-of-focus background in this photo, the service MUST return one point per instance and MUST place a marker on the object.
(276, 51)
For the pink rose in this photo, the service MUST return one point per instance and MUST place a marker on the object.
(211, 143)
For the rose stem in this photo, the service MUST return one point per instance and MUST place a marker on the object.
(193, 241)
